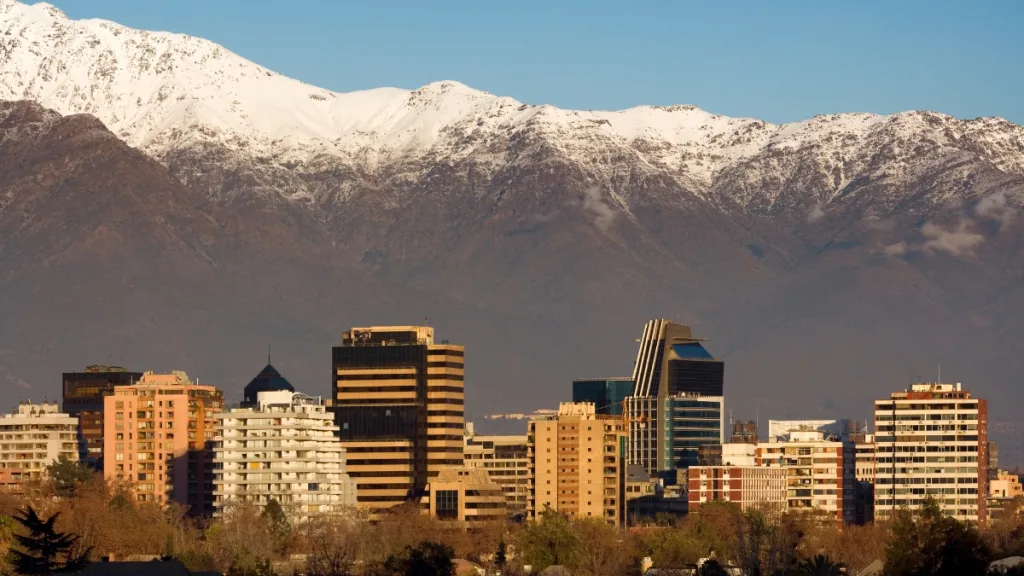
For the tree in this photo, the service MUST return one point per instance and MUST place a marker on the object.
(425, 559)
(67, 475)
(501, 556)
(820, 565)
(262, 568)
(549, 542)
(711, 567)
(276, 519)
(933, 544)
(602, 550)
(46, 551)
(331, 546)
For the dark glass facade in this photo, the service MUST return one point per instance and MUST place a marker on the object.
(83, 394)
(696, 376)
(607, 394)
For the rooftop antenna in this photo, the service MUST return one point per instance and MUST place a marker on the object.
(268, 353)
(939, 376)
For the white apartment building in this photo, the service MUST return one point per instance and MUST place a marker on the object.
(34, 437)
(505, 460)
(932, 440)
(284, 449)
(820, 472)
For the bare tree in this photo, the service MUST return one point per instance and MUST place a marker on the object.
(331, 545)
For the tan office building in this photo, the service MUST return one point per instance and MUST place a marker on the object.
(504, 459)
(158, 433)
(398, 402)
(467, 495)
(577, 463)
(820, 472)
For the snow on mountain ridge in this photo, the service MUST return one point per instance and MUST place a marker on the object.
(161, 92)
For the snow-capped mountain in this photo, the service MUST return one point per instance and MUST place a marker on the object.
(169, 94)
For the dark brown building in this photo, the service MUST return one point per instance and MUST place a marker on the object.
(83, 399)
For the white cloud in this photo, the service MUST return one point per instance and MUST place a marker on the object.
(817, 213)
(897, 249)
(1000, 206)
(605, 214)
(955, 242)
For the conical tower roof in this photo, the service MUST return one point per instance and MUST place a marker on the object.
(268, 380)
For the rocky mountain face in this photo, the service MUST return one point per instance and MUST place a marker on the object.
(830, 261)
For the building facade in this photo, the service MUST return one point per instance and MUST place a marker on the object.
(35, 436)
(606, 394)
(398, 401)
(83, 399)
(158, 433)
(466, 495)
(677, 404)
(864, 472)
(666, 433)
(285, 449)
(932, 440)
(820, 473)
(761, 487)
(505, 460)
(577, 464)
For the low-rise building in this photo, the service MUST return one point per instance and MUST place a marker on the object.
(731, 454)
(504, 459)
(577, 464)
(819, 472)
(761, 487)
(648, 499)
(467, 495)
(284, 449)
(35, 436)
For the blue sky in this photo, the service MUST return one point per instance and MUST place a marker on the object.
(776, 60)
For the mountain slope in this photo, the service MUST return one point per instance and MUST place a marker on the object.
(830, 261)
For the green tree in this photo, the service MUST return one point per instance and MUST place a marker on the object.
(549, 542)
(820, 565)
(44, 550)
(425, 559)
(501, 556)
(275, 517)
(67, 475)
(262, 568)
(712, 568)
(929, 543)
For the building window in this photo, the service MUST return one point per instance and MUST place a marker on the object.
(447, 504)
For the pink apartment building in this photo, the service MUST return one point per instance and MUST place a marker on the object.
(157, 434)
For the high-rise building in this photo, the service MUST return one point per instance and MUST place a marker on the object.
(158, 433)
(760, 487)
(677, 404)
(398, 403)
(83, 399)
(864, 494)
(820, 471)
(268, 380)
(932, 440)
(504, 459)
(606, 394)
(285, 449)
(666, 433)
(467, 495)
(35, 436)
(671, 361)
(577, 464)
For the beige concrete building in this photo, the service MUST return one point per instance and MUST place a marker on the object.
(284, 449)
(158, 433)
(35, 436)
(1006, 485)
(577, 464)
(761, 487)
(819, 472)
(504, 459)
(932, 440)
(466, 495)
(398, 401)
